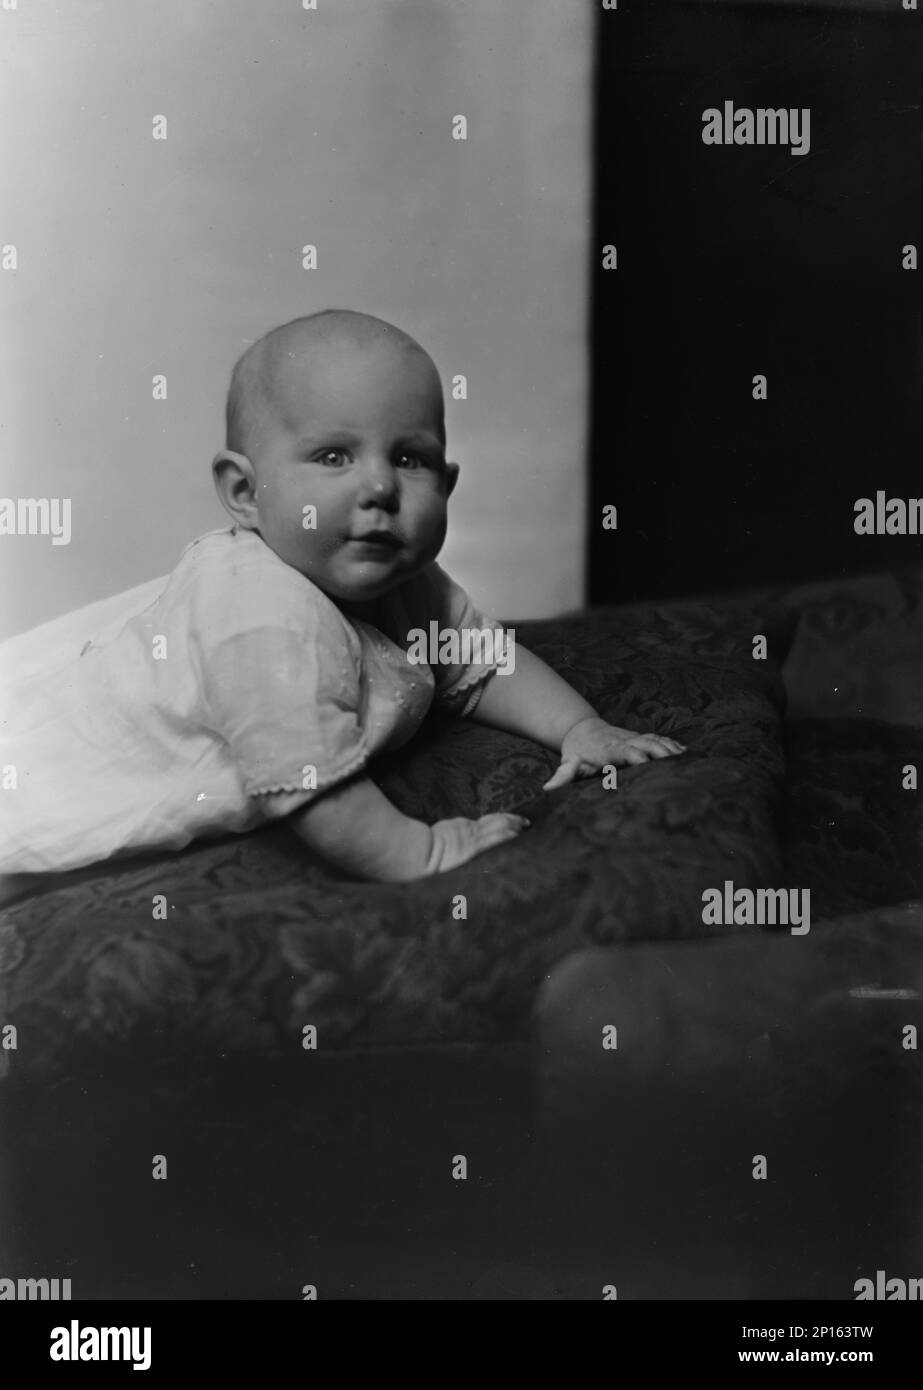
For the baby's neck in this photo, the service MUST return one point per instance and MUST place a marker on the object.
(366, 612)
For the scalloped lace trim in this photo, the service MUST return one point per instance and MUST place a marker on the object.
(488, 670)
(352, 766)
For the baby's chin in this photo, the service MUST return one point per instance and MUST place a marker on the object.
(364, 588)
(367, 581)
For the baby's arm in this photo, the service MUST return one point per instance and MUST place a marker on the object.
(532, 700)
(356, 827)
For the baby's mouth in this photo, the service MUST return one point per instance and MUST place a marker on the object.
(377, 540)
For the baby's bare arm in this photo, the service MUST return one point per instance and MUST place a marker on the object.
(356, 827)
(531, 700)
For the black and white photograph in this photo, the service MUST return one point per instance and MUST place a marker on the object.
(461, 665)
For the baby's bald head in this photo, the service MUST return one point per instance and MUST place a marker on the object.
(335, 430)
(279, 365)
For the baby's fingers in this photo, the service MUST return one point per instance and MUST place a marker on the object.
(498, 827)
(566, 772)
(654, 746)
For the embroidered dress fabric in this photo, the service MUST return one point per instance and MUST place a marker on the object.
(212, 701)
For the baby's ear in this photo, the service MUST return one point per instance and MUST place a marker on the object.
(452, 471)
(235, 483)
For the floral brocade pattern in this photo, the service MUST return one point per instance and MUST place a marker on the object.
(261, 940)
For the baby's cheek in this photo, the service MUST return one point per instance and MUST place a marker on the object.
(306, 539)
(429, 515)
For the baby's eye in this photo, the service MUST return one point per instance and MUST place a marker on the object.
(333, 457)
(413, 460)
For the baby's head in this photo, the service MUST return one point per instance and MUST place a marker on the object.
(335, 430)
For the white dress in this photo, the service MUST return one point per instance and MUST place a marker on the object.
(210, 701)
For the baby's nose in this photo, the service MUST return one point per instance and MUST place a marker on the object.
(378, 485)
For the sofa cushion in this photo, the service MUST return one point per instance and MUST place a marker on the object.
(858, 651)
(261, 939)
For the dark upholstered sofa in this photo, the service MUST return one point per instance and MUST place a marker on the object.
(641, 1099)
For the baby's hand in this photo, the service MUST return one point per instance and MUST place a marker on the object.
(592, 744)
(456, 841)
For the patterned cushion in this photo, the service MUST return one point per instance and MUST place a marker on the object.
(261, 939)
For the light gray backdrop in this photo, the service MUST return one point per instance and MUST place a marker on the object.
(285, 127)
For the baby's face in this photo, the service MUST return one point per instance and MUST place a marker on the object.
(358, 435)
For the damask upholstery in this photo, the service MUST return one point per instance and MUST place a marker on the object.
(261, 940)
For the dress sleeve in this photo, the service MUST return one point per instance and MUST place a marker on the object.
(279, 674)
(460, 684)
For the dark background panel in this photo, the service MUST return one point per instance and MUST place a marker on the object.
(745, 259)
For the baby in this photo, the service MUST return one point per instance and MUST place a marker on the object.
(261, 678)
